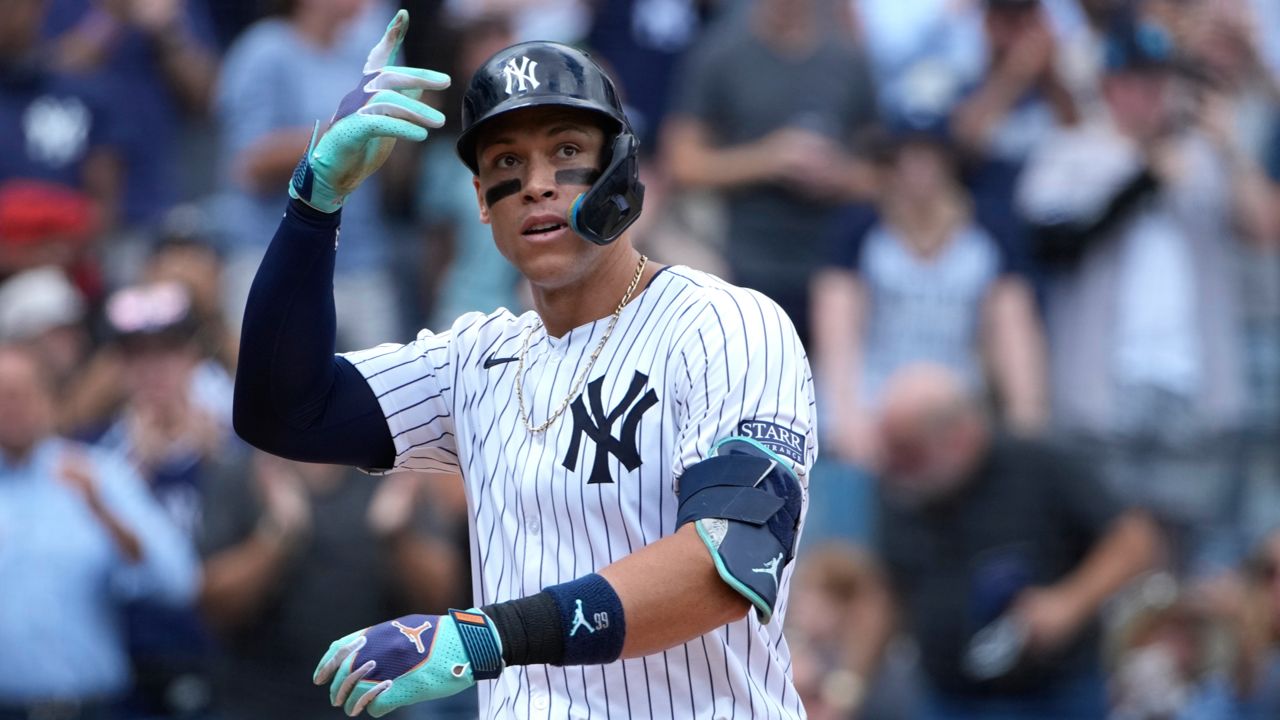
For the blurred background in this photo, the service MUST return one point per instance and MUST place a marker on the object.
(1032, 246)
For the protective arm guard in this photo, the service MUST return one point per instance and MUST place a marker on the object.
(746, 505)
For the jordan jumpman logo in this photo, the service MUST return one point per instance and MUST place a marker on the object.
(580, 620)
(413, 633)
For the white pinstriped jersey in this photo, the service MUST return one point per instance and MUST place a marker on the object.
(692, 360)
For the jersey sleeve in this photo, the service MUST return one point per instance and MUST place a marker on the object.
(742, 372)
(414, 387)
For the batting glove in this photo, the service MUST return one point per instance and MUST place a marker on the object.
(410, 659)
(383, 107)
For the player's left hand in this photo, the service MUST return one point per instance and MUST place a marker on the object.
(409, 660)
(385, 106)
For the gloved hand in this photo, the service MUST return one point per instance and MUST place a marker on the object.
(383, 107)
(410, 659)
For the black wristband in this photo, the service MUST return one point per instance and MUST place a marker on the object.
(575, 623)
(530, 630)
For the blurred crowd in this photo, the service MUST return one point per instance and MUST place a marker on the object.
(1032, 247)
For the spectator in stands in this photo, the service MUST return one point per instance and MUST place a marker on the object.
(1001, 552)
(47, 224)
(642, 43)
(53, 127)
(155, 65)
(923, 54)
(173, 422)
(767, 112)
(174, 425)
(1238, 101)
(1254, 608)
(919, 280)
(1020, 100)
(839, 601)
(79, 536)
(564, 21)
(462, 260)
(1166, 669)
(184, 253)
(1138, 214)
(41, 309)
(1247, 601)
(266, 123)
(296, 552)
(1220, 39)
(182, 257)
(1080, 29)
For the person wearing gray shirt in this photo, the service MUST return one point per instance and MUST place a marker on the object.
(767, 112)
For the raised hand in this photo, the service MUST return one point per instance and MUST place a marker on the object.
(384, 107)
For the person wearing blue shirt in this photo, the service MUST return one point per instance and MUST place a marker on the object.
(155, 65)
(1021, 98)
(54, 128)
(265, 119)
(79, 537)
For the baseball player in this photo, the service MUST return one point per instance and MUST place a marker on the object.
(635, 450)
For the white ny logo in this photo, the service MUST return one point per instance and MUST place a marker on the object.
(522, 73)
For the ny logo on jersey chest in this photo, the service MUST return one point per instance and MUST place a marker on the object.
(597, 425)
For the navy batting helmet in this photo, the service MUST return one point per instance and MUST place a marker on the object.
(540, 73)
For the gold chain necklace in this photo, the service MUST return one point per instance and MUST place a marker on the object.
(577, 385)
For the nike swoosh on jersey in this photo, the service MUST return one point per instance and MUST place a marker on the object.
(492, 361)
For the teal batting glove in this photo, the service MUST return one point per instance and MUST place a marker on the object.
(410, 659)
(383, 107)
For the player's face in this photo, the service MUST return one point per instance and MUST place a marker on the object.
(533, 163)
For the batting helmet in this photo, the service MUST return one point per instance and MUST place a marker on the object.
(533, 74)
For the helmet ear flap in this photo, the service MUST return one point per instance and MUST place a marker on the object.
(613, 203)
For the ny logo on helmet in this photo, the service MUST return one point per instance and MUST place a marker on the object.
(521, 74)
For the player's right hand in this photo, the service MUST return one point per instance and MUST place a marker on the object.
(385, 106)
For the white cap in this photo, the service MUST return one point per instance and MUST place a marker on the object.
(35, 301)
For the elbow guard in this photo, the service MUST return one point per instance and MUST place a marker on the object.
(746, 505)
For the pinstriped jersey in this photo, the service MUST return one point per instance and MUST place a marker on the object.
(692, 360)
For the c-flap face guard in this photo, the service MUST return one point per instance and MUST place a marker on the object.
(606, 210)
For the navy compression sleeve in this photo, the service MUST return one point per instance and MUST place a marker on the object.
(293, 396)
